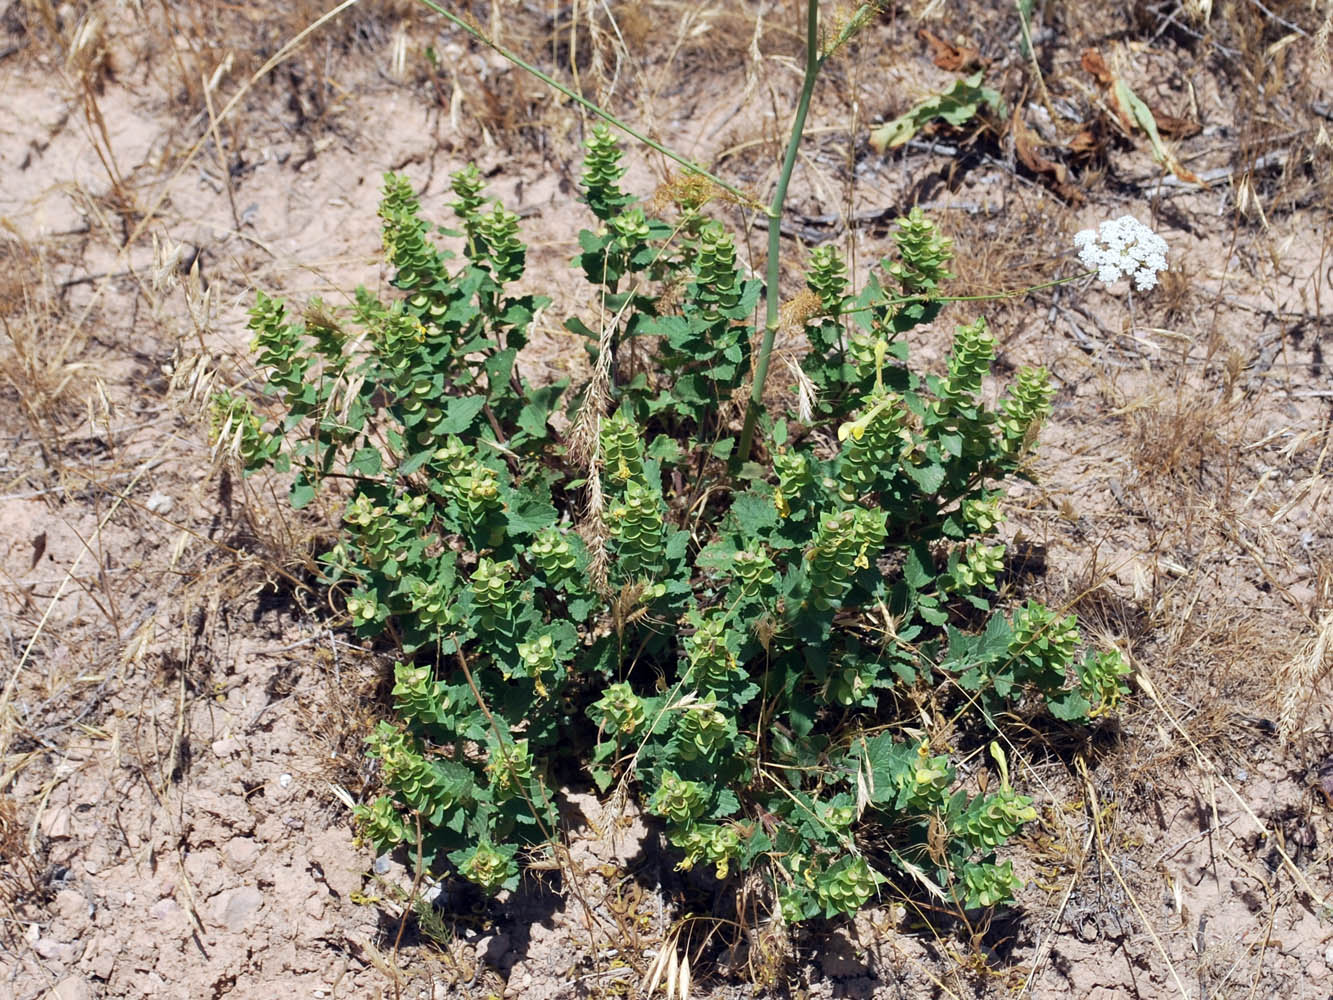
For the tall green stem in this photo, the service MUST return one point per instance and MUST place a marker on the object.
(773, 295)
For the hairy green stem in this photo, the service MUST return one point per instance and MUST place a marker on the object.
(600, 112)
(773, 296)
(902, 300)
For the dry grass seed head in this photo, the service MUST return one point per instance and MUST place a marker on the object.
(1300, 677)
(999, 245)
(1176, 292)
(797, 311)
(1177, 442)
(686, 192)
(807, 395)
(340, 713)
(50, 388)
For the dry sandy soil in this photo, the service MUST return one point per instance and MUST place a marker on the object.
(181, 717)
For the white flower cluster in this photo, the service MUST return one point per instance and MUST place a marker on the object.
(1123, 246)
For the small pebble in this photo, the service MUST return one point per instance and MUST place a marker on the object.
(433, 893)
(284, 780)
(160, 503)
(71, 988)
(1328, 956)
(382, 864)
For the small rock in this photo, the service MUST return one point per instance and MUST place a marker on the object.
(225, 747)
(1303, 594)
(57, 823)
(72, 907)
(284, 780)
(160, 503)
(236, 909)
(1328, 956)
(71, 988)
(382, 864)
(339, 862)
(57, 951)
(241, 853)
(103, 962)
(335, 972)
(314, 907)
(163, 909)
(492, 948)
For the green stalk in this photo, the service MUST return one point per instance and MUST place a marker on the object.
(812, 64)
(605, 115)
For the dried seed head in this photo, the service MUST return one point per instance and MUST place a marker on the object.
(166, 264)
(687, 192)
(795, 313)
(806, 393)
(1303, 674)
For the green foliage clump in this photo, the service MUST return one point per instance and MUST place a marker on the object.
(733, 642)
(956, 106)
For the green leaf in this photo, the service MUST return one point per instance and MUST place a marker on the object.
(994, 642)
(665, 449)
(302, 493)
(933, 616)
(532, 418)
(677, 543)
(956, 106)
(754, 513)
(918, 567)
(727, 804)
(576, 325)
(890, 766)
(459, 412)
(722, 448)
(1143, 117)
(929, 478)
(366, 462)
(528, 514)
(1071, 706)
(498, 368)
(801, 720)
(414, 462)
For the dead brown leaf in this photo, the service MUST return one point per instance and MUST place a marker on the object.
(954, 58)
(1085, 142)
(1094, 63)
(1132, 113)
(1026, 146)
(1176, 128)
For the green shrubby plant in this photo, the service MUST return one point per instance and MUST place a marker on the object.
(731, 641)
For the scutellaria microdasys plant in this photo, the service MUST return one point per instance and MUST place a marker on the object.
(739, 662)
